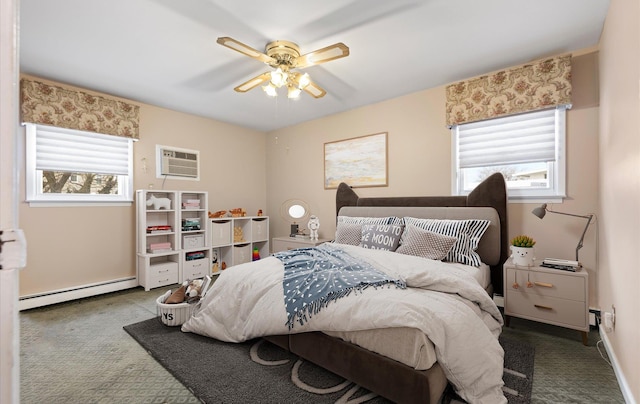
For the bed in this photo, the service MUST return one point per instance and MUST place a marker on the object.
(383, 358)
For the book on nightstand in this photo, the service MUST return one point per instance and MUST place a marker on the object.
(564, 265)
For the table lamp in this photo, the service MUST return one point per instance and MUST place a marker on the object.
(542, 210)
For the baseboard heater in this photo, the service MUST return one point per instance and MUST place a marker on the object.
(79, 292)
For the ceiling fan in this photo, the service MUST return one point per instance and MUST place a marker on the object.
(285, 57)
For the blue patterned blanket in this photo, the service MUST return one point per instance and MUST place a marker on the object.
(316, 276)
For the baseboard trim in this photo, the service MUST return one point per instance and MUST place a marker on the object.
(65, 295)
(622, 381)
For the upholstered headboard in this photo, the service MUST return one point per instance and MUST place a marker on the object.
(492, 193)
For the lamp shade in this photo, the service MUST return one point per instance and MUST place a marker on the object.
(540, 211)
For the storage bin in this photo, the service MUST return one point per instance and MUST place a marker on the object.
(192, 241)
(174, 314)
(220, 233)
(259, 229)
(241, 254)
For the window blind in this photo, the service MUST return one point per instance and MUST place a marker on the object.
(83, 152)
(516, 139)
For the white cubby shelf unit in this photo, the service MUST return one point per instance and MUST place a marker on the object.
(171, 237)
(233, 240)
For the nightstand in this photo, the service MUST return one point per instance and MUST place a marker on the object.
(291, 243)
(547, 295)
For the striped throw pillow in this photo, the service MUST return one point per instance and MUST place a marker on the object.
(467, 233)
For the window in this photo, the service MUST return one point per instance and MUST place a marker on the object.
(66, 165)
(528, 149)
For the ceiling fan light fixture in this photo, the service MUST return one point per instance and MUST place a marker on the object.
(304, 81)
(285, 56)
(279, 77)
(270, 90)
(294, 92)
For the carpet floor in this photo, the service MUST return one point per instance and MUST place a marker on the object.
(78, 352)
(219, 372)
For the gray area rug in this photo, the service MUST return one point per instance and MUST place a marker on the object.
(219, 372)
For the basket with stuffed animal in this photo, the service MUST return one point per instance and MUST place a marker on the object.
(175, 308)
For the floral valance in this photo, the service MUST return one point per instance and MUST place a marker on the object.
(72, 109)
(539, 85)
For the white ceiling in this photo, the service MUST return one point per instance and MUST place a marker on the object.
(164, 52)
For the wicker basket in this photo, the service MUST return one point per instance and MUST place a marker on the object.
(174, 314)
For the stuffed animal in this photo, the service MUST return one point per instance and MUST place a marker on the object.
(159, 203)
(177, 296)
(194, 290)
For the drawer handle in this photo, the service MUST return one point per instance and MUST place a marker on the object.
(538, 306)
(163, 270)
(163, 280)
(544, 285)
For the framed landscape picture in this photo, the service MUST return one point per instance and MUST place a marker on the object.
(359, 162)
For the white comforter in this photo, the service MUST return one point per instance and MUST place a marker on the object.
(246, 301)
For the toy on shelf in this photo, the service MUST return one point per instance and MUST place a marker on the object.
(238, 234)
(314, 225)
(238, 212)
(256, 254)
(220, 213)
(158, 203)
(259, 212)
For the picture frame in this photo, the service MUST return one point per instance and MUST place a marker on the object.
(359, 162)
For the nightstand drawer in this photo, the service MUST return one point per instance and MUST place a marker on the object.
(558, 285)
(562, 312)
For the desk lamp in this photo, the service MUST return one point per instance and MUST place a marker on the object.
(542, 210)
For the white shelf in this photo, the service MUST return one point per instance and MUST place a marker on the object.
(233, 239)
(171, 267)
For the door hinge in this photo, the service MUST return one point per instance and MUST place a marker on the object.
(13, 249)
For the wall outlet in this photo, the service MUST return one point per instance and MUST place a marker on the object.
(610, 319)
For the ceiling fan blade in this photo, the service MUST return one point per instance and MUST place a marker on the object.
(244, 49)
(315, 90)
(253, 83)
(327, 54)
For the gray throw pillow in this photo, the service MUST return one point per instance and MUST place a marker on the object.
(348, 233)
(425, 243)
(381, 236)
(349, 228)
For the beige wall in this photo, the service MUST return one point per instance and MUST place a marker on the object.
(417, 137)
(76, 246)
(619, 274)
(420, 164)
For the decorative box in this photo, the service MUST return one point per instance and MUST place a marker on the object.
(193, 241)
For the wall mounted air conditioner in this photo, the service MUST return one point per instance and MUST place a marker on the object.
(178, 163)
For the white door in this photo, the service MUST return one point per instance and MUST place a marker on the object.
(9, 265)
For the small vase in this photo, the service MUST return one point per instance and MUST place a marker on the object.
(522, 255)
